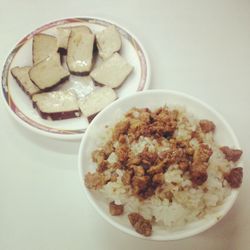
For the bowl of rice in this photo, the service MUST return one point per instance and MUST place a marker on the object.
(160, 165)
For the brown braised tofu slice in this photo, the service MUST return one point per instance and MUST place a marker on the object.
(63, 34)
(56, 105)
(21, 74)
(80, 51)
(97, 100)
(108, 41)
(112, 72)
(48, 73)
(43, 45)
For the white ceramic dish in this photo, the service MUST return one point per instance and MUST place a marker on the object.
(19, 104)
(153, 99)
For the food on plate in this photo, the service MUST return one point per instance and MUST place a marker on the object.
(163, 168)
(56, 105)
(51, 68)
(48, 73)
(231, 154)
(21, 74)
(43, 45)
(207, 126)
(141, 225)
(96, 101)
(234, 177)
(112, 72)
(94, 180)
(63, 36)
(80, 51)
(108, 41)
(115, 209)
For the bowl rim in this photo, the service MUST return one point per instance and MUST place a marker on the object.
(212, 221)
(6, 63)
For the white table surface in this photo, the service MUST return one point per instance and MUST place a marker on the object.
(198, 47)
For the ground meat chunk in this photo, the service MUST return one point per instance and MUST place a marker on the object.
(102, 166)
(141, 225)
(135, 124)
(122, 153)
(231, 154)
(155, 169)
(148, 157)
(122, 139)
(147, 123)
(148, 192)
(140, 183)
(198, 169)
(164, 193)
(133, 160)
(190, 151)
(158, 179)
(98, 156)
(207, 126)
(159, 128)
(198, 173)
(180, 144)
(114, 209)
(108, 149)
(121, 128)
(162, 122)
(138, 170)
(203, 153)
(163, 154)
(94, 180)
(173, 155)
(234, 177)
(127, 176)
(196, 135)
(145, 116)
(184, 165)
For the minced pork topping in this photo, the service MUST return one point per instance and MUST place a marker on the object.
(144, 172)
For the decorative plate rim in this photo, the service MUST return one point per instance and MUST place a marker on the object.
(66, 133)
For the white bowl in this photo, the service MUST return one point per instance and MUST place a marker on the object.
(20, 105)
(152, 99)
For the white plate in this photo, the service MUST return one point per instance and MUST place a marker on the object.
(153, 99)
(20, 105)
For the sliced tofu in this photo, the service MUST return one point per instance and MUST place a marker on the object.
(21, 74)
(112, 72)
(108, 41)
(82, 85)
(48, 73)
(80, 52)
(57, 105)
(63, 36)
(96, 101)
(43, 45)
